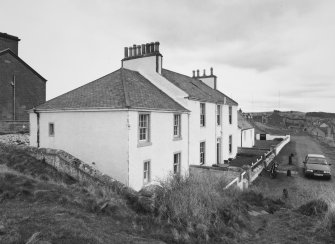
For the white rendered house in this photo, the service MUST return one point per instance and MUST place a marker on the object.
(246, 132)
(141, 122)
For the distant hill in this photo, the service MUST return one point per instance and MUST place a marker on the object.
(320, 114)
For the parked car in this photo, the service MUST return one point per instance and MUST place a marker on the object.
(316, 165)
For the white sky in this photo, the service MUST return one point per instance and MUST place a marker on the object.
(267, 54)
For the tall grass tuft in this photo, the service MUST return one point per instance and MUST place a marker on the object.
(200, 207)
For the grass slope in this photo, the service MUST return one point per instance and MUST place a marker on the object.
(40, 205)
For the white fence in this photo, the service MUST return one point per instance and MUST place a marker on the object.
(251, 174)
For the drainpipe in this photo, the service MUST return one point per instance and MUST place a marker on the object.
(215, 139)
(38, 127)
(14, 110)
(188, 142)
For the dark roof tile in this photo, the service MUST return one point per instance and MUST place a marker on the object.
(121, 89)
(196, 89)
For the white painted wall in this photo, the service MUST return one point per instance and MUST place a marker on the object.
(246, 138)
(209, 81)
(162, 148)
(197, 134)
(33, 129)
(100, 137)
(229, 129)
(211, 132)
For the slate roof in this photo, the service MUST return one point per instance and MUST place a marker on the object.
(243, 124)
(121, 89)
(20, 60)
(196, 89)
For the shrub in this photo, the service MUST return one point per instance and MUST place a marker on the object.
(329, 220)
(314, 208)
(200, 207)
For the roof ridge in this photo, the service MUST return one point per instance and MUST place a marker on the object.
(125, 90)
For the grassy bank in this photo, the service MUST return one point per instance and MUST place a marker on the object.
(39, 203)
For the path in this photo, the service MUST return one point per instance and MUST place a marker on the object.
(286, 225)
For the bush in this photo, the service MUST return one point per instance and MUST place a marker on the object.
(199, 208)
(314, 208)
(330, 221)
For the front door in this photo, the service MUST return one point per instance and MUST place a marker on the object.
(218, 150)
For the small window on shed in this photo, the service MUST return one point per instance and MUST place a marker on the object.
(51, 129)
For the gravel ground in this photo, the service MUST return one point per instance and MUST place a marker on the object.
(17, 139)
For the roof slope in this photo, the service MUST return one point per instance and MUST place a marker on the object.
(196, 89)
(243, 124)
(121, 89)
(24, 63)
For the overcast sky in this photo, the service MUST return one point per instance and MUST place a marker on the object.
(267, 54)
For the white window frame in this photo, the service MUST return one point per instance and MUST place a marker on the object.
(202, 152)
(51, 129)
(177, 163)
(146, 172)
(202, 114)
(218, 114)
(230, 115)
(177, 125)
(144, 125)
(230, 144)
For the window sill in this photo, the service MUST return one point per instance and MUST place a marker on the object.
(144, 144)
(177, 138)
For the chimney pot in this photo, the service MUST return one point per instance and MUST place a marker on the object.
(156, 46)
(126, 52)
(197, 73)
(152, 47)
(134, 50)
(193, 72)
(147, 48)
(130, 51)
(139, 50)
(204, 73)
(211, 71)
(143, 49)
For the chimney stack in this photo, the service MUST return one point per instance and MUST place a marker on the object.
(9, 42)
(135, 56)
(209, 80)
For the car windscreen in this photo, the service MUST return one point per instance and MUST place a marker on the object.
(317, 161)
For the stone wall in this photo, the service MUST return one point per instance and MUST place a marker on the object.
(14, 126)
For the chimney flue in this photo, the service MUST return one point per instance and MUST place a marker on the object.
(197, 73)
(143, 49)
(134, 50)
(126, 52)
(139, 50)
(147, 48)
(156, 46)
